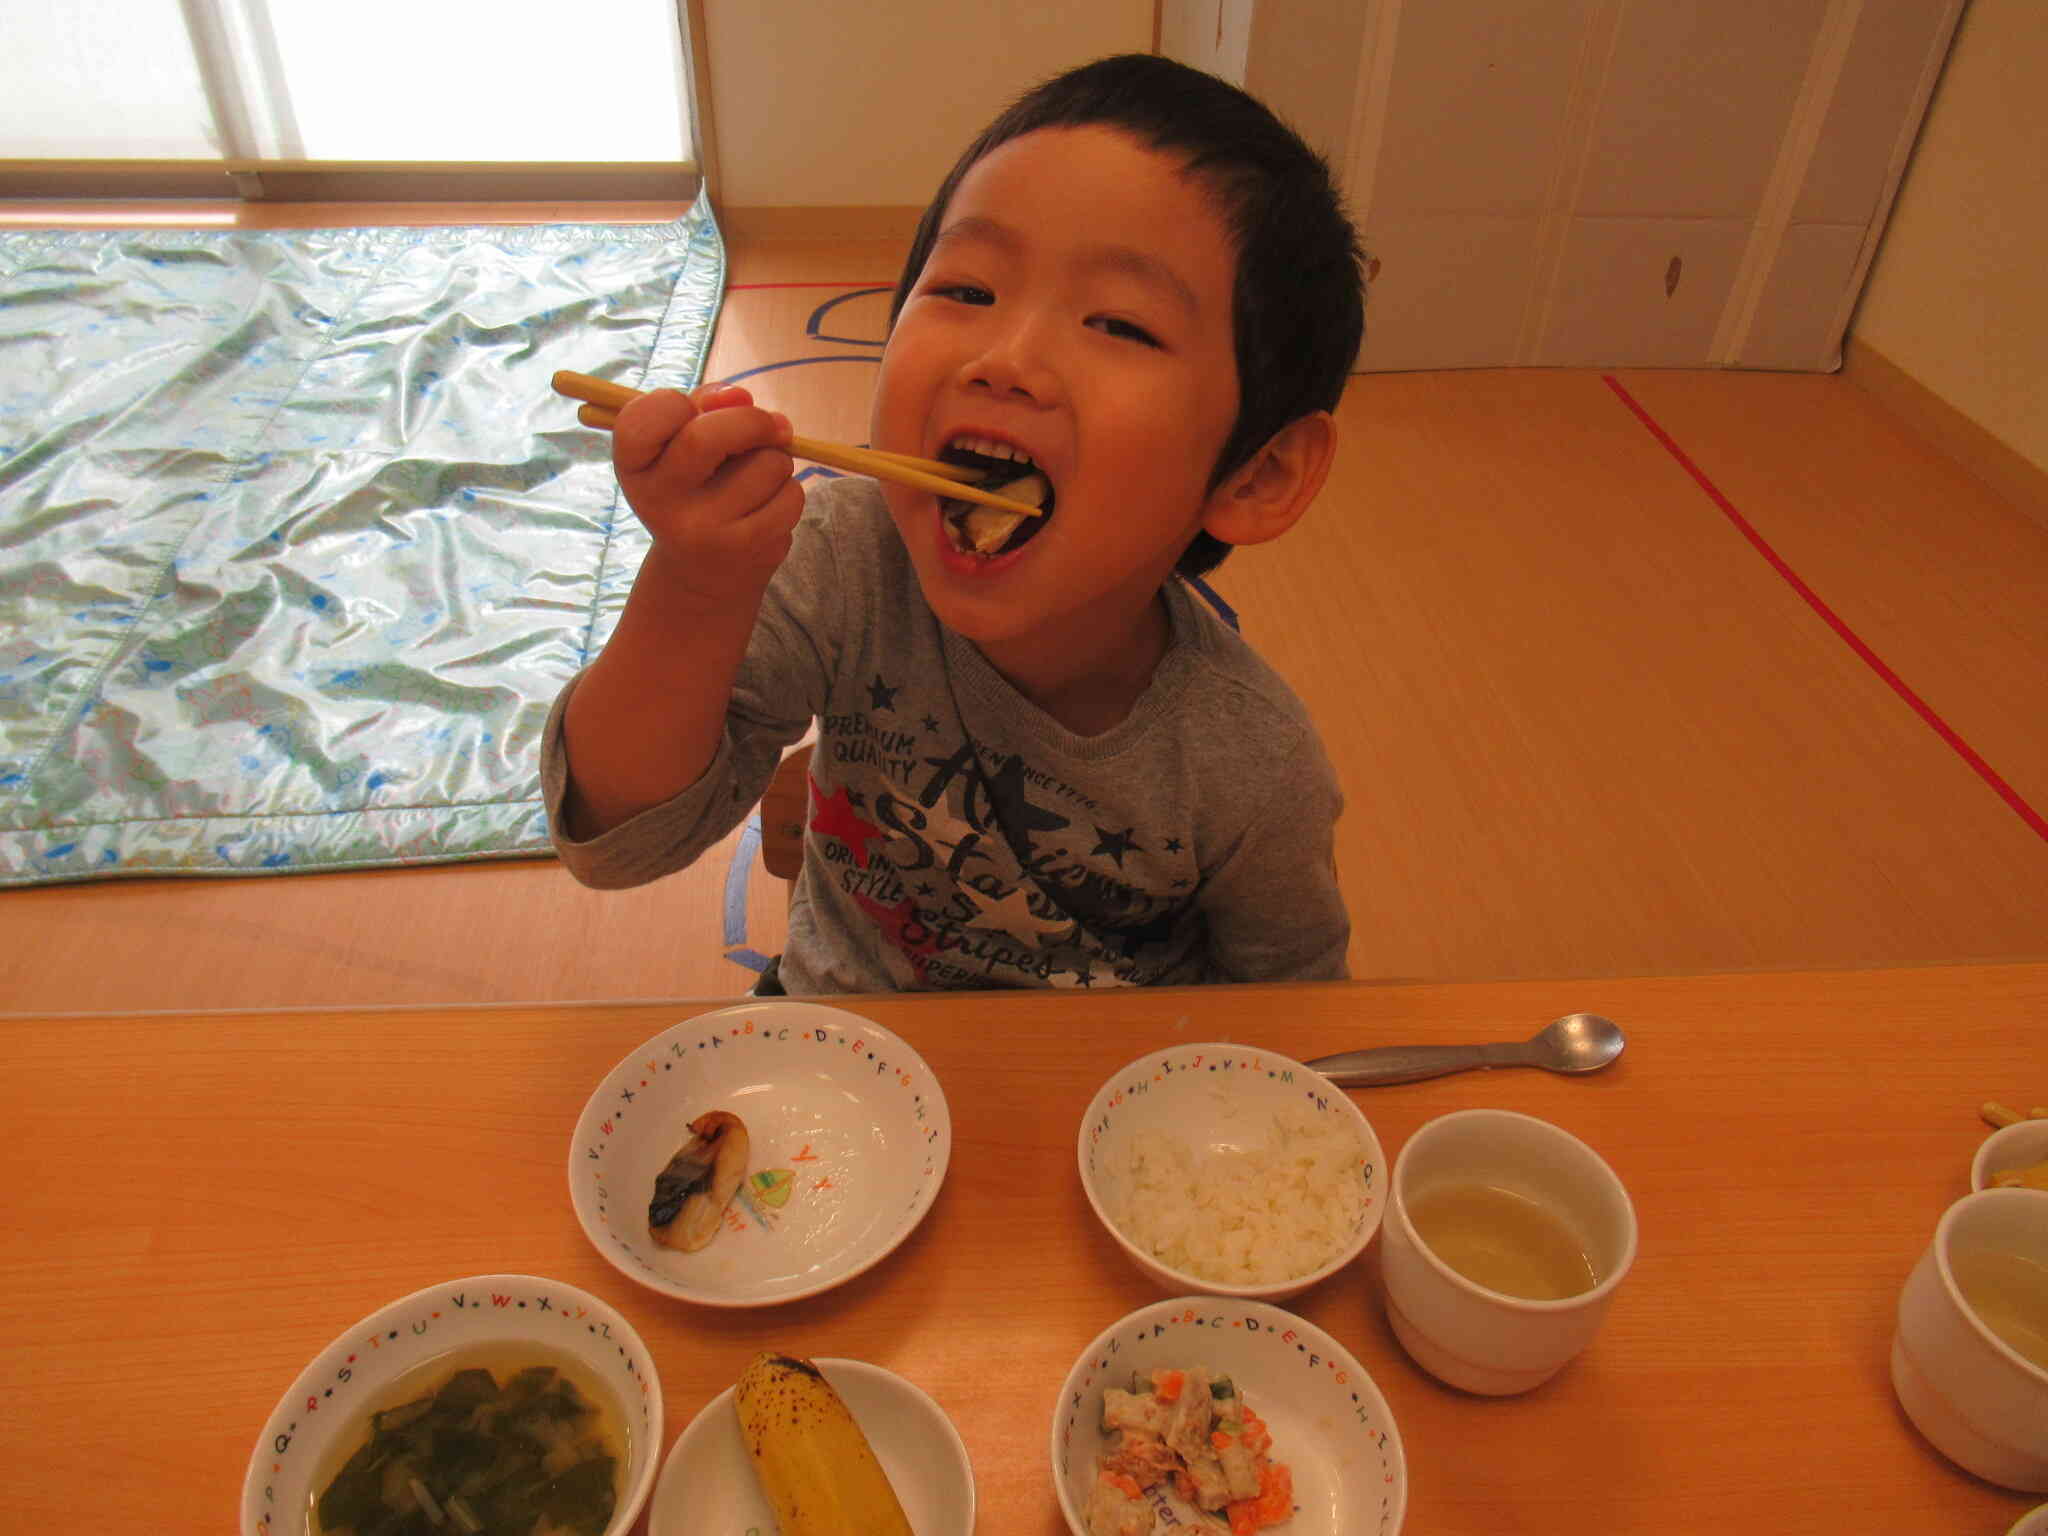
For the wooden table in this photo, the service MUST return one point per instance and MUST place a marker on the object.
(199, 1202)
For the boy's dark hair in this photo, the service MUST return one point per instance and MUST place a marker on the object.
(1298, 305)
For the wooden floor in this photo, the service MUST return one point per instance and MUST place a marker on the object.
(1666, 673)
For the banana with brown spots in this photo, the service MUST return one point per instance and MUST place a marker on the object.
(810, 1454)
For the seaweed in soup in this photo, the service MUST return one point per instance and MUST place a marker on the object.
(521, 1456)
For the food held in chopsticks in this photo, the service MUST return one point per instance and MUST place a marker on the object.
(810, 1454)
(691, 1193)
(986, 530)
(1197, 1435)
(954, 479)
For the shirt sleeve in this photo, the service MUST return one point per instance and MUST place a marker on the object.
(1272, 908)
(782, 684)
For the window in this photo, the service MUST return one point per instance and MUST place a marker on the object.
(169, 93)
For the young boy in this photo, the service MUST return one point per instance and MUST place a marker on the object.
(1041, 760)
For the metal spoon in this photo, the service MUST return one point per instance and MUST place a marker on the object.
(1578, 1042)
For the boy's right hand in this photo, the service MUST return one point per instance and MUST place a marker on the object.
(710, 477)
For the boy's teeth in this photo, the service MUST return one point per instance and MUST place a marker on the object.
(989, 448)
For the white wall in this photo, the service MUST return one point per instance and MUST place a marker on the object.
(1957, 297)
(1209, 34)
(828, 103)
(1300, 57)
(1307, 69)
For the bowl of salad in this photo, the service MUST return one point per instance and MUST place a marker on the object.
(1212, 1413)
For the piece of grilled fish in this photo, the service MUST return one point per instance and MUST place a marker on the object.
(690, 1194)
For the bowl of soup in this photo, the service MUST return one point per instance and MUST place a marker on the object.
(499, 1403)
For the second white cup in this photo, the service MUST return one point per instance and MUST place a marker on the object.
(1974, 1389)
(1470, 1173)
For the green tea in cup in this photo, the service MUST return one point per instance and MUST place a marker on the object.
(2009, 1292)
(1502, 1240)
(1505, 1241)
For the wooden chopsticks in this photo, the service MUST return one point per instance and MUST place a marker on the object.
(603, 400)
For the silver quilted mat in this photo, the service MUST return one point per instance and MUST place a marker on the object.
(296, 544)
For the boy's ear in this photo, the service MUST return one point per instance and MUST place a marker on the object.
(1271, 490)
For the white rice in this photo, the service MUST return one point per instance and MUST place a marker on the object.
(1280, 1202)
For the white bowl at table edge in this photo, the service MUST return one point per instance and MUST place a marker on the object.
(342, 1365)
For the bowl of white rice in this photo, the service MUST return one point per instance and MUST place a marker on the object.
(1227, 1170)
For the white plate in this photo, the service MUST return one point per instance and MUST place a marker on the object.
(1330, 1425)
(846, 1116)
(708, 1488)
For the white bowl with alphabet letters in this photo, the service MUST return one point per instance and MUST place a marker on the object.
(1330, 1427)
(499, 1322)
(848, 1140)
(1232, 1171)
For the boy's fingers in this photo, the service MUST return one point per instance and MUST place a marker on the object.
(747, 480)
(685, 458)
(647, 425)
(712, 397)
(760, 541)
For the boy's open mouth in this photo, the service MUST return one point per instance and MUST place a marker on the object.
(1009, 471)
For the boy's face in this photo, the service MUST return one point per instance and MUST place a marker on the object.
(1076, 306)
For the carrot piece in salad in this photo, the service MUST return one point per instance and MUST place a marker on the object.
(1167, 1385)
(1274, 1504)
(1276, 1493)
(1257, 1438)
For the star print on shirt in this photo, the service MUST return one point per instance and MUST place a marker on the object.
(1116, 844)
(960, 850)
(1011, 913)
(1020, 819)
(881, 695)
(946, 832)
(1084, 977)
(904, 929)
(833, 816)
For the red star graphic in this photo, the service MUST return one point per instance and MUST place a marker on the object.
(900, 926)
(832, 816)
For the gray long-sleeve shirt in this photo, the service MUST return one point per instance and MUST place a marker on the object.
(961, 837)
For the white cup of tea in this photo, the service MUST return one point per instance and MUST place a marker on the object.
(1504, 1240)
(1970, 1355)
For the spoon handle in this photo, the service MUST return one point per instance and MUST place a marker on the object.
(1412, 1063)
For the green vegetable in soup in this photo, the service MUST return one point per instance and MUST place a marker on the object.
(521, 1458)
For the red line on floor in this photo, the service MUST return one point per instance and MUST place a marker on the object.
(1834, 621)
